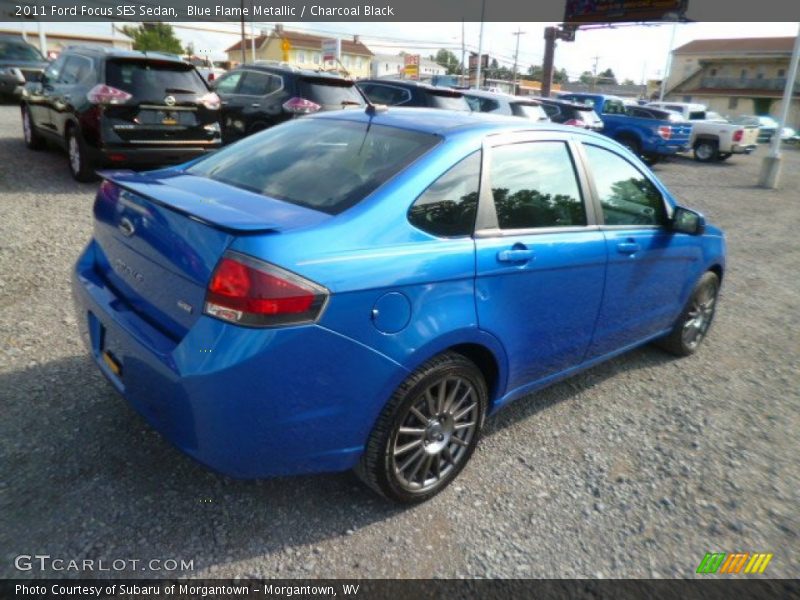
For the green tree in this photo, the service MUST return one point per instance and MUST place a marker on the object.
(560, 76)
(586, 77)
(535, 72)
(448, 60)
(629, 82)
(159, 37)
(607, 77)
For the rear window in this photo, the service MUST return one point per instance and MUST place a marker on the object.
(530, 111)
(153, 80)
(449, 101)
(330, 93)
(327, 165)
(18, 51)
(697, 115)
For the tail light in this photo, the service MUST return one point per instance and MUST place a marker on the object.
(105, 94)
(211, 76)
(665, 131)
(576, 123)
(300, 106)
(210, 100)
(248, 291)
(738, 135)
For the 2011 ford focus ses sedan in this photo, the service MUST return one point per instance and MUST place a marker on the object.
(360, 289)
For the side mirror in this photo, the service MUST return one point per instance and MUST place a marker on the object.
(686, 220)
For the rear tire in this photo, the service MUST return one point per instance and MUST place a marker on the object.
(706, 151)
(80, 165)
(631, 144)
(33, 139)
(725, 156)
(427, 431)
(692, 326)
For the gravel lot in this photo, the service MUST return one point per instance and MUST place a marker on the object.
(635, 468)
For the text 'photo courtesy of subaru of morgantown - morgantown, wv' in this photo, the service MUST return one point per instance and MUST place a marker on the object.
(364, 287)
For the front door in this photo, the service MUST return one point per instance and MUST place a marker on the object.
(541, 259)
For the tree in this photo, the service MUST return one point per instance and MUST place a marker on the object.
(560, 76)
(586, 77)
(448, 60)
(607, 77)
(629, 82)
(158, 37)
(535, 72)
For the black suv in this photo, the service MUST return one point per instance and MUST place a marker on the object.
(19, 62)
(262, 94)
(394, 92)
(117, 107)
(571, 113)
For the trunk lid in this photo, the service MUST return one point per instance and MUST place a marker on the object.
(160, 236)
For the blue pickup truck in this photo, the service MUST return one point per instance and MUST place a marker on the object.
(648, 137)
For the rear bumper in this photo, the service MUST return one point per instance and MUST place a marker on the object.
(246, 402)
(740, 149)
(129, 154)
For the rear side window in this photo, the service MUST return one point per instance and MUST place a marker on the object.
(479, 104)
(331, 93)
(448, 101)
(552, 111)
(448, 207)
(534, 185)
(76, 70)
(256, 83)
(327, 165)
(227, 83)
(386, 94)
(153, 80)
(626, 195)
(529, 111)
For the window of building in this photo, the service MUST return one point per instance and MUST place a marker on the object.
(733, 103)
(743, 74)
(713, 72)
(781, 72)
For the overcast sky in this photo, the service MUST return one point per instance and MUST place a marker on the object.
(633, 52)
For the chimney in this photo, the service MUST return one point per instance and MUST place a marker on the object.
(356, 39)
(279, 29)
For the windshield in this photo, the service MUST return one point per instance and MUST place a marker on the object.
(153, 80)
(19, 51)
(531, 111)
(328, 165)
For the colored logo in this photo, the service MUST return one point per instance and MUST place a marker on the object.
(737, 562)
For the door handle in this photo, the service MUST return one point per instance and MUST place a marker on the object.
(515, 255)
(628, 247)
(256, 104)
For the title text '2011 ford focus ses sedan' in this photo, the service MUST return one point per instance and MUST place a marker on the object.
(359, 289)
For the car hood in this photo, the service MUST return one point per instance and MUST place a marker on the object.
(23, 64)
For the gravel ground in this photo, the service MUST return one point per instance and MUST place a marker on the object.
(635, 468)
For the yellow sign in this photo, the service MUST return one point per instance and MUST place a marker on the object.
(286, 46)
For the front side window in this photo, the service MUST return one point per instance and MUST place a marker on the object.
(327, 165)
(626, 195)
(448, 207)
(534, 185)
(227, 83)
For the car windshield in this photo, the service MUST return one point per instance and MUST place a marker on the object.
(19, 51)
(327, 165)
(531, 111)
(330, 92)
(449, 101)
(153, 80)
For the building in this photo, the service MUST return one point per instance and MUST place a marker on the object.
(743, 76)
(56, 42)
(390, 66)
(304, 51)
(610, 89)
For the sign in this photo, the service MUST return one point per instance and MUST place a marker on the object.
(619, 11)
(473, 61)
(331, 49)
(411, 66)
(285, 46)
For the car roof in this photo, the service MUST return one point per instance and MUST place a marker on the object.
(562, 102)
(443, 122)
(286, 68)
(109, 52)
(414, 84)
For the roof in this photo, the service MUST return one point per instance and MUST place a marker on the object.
(304, 40)
(769, 45)
(119, 37)
(123, 53)
(442, 122)
(284, 68)
(439, 89)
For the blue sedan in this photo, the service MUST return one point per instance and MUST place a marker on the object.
(360, 289)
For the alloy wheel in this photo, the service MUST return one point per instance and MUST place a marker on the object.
(433, 437)
(26, 126)
(700, 315)
(74, 153)
(704, 152)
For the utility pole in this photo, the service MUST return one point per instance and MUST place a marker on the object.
(517, 33)
(594, 72)
(667, 64)
(480, 48)
(771, 165)
(463, 55)
(244, 41)
(550, 34)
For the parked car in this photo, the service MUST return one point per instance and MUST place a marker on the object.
(576, 114)
(19, 62)
(713, 139)
(396, 92)
(205, 67)
(108, 106)
(359, 289)
(649, 138)
(505, 104)
(259, 95)
(767, 126)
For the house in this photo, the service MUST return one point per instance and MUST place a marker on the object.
(56, 42)
(744, 76)
(305, 51)
(390, 66)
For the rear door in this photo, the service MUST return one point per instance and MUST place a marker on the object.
(648, 264)
(541, 258)
(165, 107)
(69, 90)
(256, 105)
(40, 95)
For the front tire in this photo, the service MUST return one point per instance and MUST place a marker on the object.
(33, 139)
(693, 324)
(706, 151)
(80, 165)
(427, 431)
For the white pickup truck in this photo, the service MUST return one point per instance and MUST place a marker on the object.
(713, 137)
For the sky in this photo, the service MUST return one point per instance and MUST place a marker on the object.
(635, 52)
